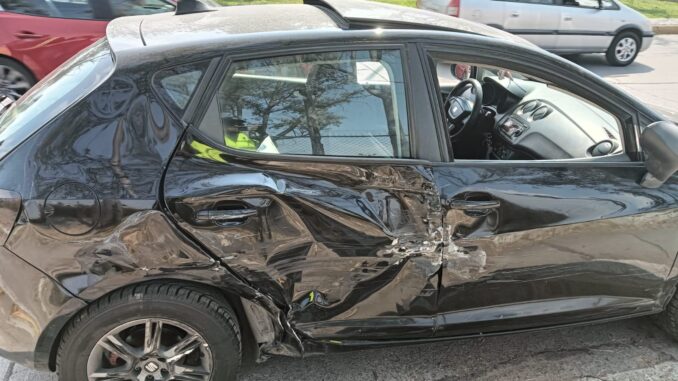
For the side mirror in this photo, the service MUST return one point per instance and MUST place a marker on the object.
(660, 145)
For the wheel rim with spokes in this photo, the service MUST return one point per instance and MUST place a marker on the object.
(151, 350)
(12, 82)
(625, 49)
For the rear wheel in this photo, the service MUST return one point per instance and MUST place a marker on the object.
(624, 49)
(668, 319)
(15, 80)
(155, 332)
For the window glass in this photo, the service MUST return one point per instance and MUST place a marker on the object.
(28, 7)
(340, 104)
(606, 4)
(523, 118)
(177, 85)
(139, 7)
(55, 93)
(72, 9)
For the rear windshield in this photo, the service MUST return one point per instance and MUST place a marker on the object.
(65, 86)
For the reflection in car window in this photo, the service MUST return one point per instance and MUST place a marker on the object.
(63, 87)
(176, 85)
(341, 104)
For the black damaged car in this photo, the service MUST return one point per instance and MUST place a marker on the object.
(226, 184)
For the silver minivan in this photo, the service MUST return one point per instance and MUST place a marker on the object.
(561, 26)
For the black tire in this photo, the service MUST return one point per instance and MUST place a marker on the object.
(668, 319)
(612, 56)
(21, 69)
(206, 312)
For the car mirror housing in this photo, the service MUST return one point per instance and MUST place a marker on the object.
(660, 145)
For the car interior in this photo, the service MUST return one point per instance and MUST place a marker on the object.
(499, 114)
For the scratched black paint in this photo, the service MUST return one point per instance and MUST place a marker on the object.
(341, 253)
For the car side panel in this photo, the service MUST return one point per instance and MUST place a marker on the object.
(488, 12)
(349, 249)
(567, 244)
(586, 29)
(537, 23)
(43, 43)
(90, 217)
(29, 302)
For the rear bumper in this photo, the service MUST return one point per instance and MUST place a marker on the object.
(33, 309)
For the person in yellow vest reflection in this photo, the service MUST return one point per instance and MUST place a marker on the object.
(237, 136)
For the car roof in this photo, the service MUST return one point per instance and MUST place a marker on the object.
(237, 24)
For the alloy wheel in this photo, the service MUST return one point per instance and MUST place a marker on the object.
(151, 350)
(625, 49)
(12, 82)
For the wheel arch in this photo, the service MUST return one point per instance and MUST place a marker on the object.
(50, 339)
(633, 28)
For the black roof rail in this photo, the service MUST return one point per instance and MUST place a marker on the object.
(186, 7)
(331, 12)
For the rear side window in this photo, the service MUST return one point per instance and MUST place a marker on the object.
(177, 85)
(349, 103)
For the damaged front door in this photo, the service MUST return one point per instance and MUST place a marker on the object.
(300, 177)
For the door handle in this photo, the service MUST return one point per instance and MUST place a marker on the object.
(474, 208)
(27, 35)
(515, 14)
(220, 216)
(567, 18)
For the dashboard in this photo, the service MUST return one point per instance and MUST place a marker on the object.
(534, 121)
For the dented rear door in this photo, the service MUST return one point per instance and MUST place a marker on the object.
(303, 178)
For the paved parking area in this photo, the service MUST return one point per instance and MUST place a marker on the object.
(621, 351)
(653, 77)
(628, 350)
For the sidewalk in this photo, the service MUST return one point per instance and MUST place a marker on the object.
(665, 26)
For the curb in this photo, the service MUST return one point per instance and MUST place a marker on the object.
(665, 26)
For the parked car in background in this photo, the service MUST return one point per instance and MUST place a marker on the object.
(561, 26)
(36, 36)
(189, 192)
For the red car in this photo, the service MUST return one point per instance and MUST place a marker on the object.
(36, 36)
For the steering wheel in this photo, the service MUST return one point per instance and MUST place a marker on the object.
(461, 111)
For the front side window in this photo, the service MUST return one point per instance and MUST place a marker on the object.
(497, 113)
(349, 103)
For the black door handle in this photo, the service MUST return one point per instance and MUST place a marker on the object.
(475, 208)
(473, 205)
(236, 215)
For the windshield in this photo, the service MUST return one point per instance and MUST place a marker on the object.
(66, 85)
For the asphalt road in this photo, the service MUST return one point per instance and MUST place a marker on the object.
(653, 77)
(627, 350)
